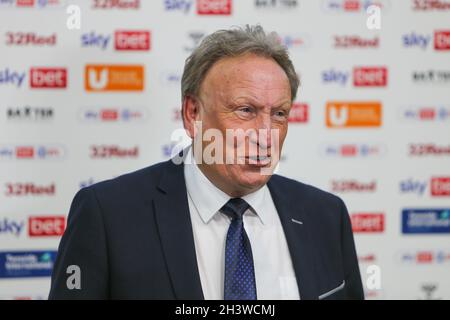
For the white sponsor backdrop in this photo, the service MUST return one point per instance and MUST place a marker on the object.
(58, 133)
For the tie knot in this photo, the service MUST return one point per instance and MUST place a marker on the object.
(235, 208)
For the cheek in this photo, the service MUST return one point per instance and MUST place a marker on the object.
(231, 139)
(278, 135)
(210, 129)
(283, 134)
(220, 122)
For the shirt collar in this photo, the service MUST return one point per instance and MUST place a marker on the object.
(208, 199)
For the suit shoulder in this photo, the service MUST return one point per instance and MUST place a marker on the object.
(131, 183)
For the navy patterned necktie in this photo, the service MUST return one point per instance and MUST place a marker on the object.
(239, 271)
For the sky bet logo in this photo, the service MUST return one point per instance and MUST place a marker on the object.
(178, 5)
(442, 40)
(124, 40)
(299, 113)
(46, 226)
(40, 78)
(413, 186)
(362, 76)
(204, 7)
(48, 78)
(425, 221)
(95, 40)
(11, 227)
(439, 186)
(11, 77)
(214, 7)
(367, 222)
(415, 40)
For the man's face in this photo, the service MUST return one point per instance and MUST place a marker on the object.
(248, 92)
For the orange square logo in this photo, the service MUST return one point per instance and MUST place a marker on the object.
(353, 114)
(100, 78)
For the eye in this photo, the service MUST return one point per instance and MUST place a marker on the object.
(281, 114)
(245, 111)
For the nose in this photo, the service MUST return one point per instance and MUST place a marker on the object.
(263, 128)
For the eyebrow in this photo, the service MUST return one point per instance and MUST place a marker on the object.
(247, 100)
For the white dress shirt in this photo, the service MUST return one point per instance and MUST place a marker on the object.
(274, 273)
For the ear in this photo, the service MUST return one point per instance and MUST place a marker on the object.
(190, 112)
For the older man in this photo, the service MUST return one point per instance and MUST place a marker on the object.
(218, 225)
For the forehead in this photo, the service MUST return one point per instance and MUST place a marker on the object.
(247, 77)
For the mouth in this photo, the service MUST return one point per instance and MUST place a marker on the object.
(259, 161)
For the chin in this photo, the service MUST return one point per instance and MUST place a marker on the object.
(252, 180)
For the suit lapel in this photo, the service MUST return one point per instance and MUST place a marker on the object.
(298, 237)
(175, 231)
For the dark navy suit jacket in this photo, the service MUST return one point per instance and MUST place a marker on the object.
(132, 239)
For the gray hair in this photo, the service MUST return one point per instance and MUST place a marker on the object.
(233, 43)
